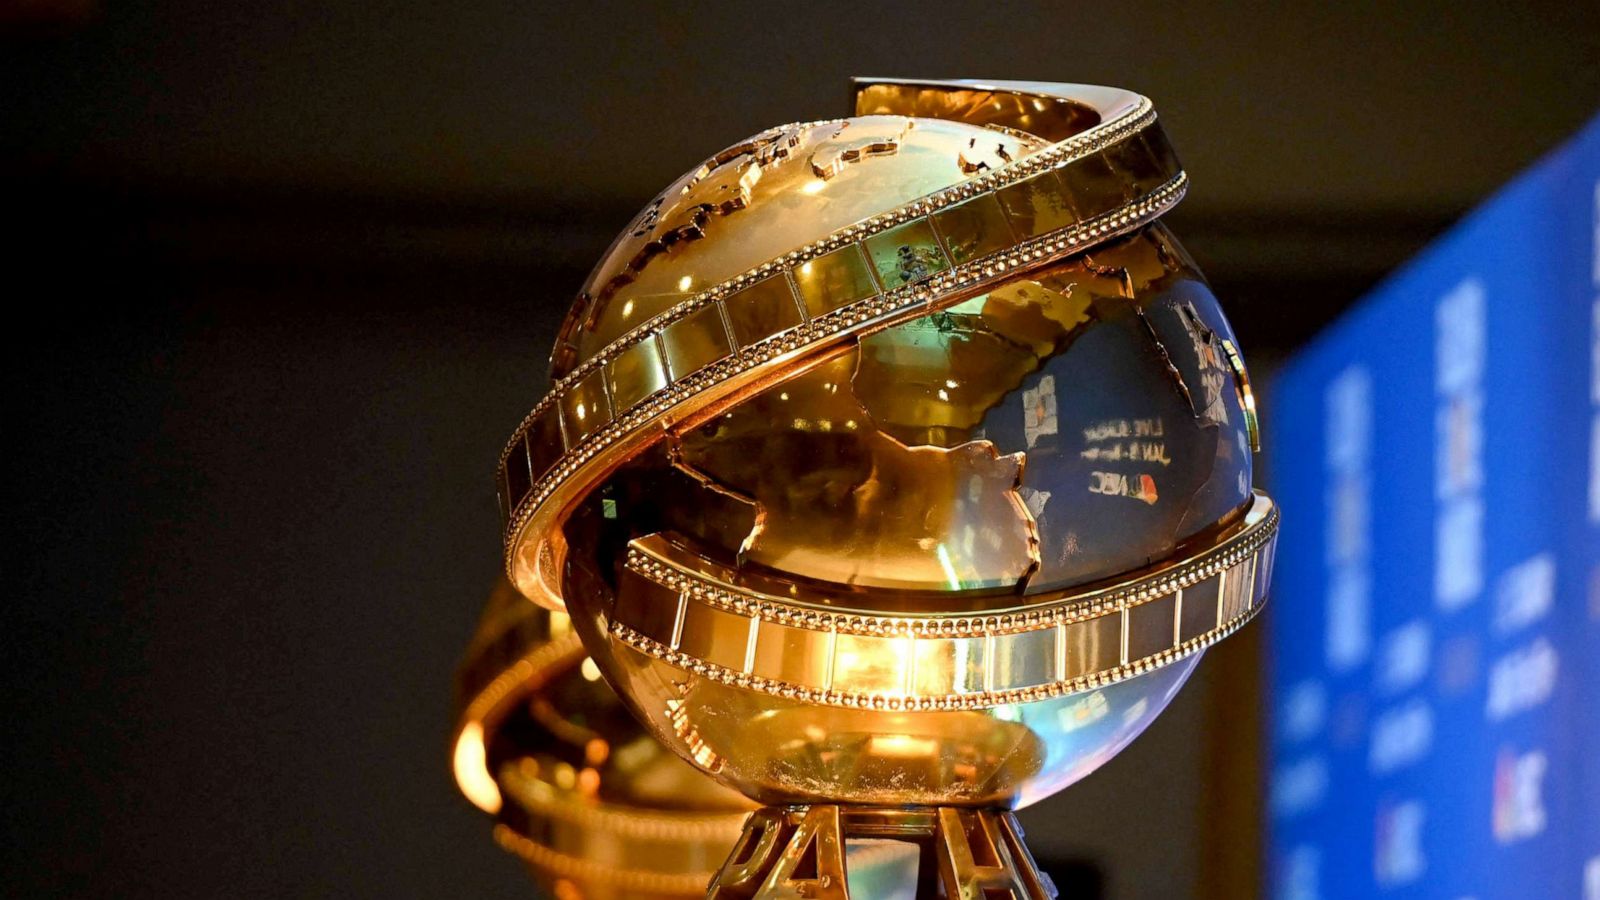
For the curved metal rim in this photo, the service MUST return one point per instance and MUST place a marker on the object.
(1240, 568)
(534, 549)
(1259, 528)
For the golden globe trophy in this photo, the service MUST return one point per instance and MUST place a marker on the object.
(895, 474)
(595, 807)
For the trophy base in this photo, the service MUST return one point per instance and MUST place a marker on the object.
(919, 853)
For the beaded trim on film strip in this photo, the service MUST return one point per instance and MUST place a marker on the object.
(1053, 157)
(564, 865)
(1074, 607)
(509, 669)
(537, 797)
(577, 421)
(914, 664)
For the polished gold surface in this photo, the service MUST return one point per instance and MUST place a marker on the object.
(667, 599)
(897, 472)
(830, 277)
(778, 190)
(580, 792)
(816, 852)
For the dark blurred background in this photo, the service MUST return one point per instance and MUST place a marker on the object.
(282, 277)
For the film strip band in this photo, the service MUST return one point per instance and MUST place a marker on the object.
(1108, 180)
(520, 650)
(669, 852)
(700, 622)
(517, 651)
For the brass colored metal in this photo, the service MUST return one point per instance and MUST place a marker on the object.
(582, 794)
(1049, 114)
(638, 372)
(896, 474)
(1247, 397)
(905, 254)
(836, 279)
(669, 602)
(973, 228)
(593, 805)
(763, 309)
(847, 503)
(802, 852)
(662, 271)
(910, 461)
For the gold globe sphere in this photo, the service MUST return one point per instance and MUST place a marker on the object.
(593, 805)
(901, 460)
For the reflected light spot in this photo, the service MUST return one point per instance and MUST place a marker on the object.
(591, 672)
(627, 309)
(812, 187)
(685, 282)
(565, 776)
(903, 746)
(472, 771)
(1087, 711)
(588, 782)
(948, 566)
(560, 625)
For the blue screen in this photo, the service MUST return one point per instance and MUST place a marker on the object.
(1435, 614)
